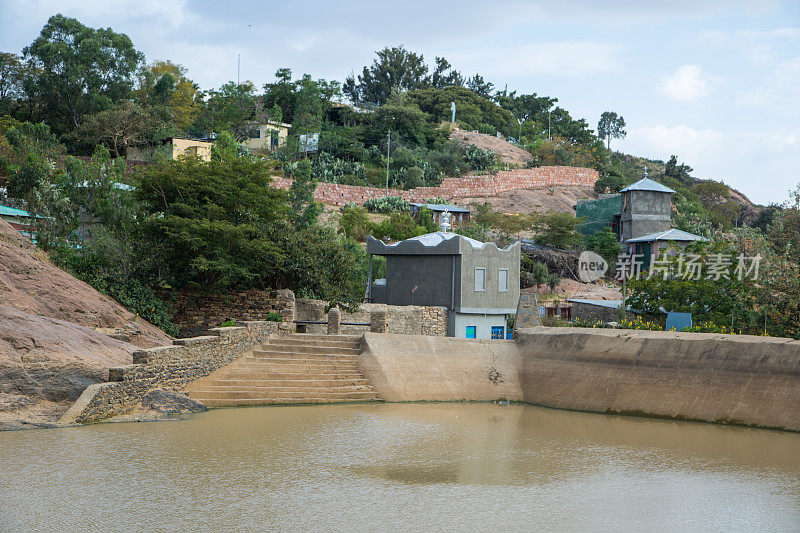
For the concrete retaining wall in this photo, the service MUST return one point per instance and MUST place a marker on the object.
(419, 368)
(166, 367)
(736, 379)
(733, 379)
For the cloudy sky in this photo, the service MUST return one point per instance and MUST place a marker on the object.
(716, 82)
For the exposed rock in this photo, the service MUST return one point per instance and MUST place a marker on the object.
(506, 152)
(169, 402)
(30, 283)
(49, 361)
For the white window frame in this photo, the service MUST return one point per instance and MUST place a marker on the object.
(483, 288)
(499, 277)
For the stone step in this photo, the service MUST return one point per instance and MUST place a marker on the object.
(272, 374)
(310, 348)
(239, 402)
(308, 364)
(282, 395)
(245, 382)
(269, 390)
(316, 339)
(315, 352)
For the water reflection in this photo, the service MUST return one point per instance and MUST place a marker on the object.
(401, 466)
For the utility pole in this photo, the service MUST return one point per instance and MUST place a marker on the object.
(238, 68)
(388, 144)
(548, 125)
(519, 137)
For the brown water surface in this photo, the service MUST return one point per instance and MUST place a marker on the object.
(432, 467)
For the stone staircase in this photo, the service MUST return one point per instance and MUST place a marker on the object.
(289, 369)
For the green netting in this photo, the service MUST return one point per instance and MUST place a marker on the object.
(597, 214)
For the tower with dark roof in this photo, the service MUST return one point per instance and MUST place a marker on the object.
(646, 209)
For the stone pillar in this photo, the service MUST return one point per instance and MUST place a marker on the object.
(379, 322)
(334, 321)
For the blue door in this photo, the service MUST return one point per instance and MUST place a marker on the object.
(471, 332)
(497, 332)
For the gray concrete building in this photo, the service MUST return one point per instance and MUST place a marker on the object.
(476, 281)
(646, 209)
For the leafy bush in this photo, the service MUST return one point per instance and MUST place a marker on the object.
(114, 266)
(479, 159)
(398, 227)
(328, 168)
(387, 204)
(273, 317)
(606, 244)
(354, 223)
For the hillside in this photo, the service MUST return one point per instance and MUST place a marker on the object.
(539, 200)
(55, 335)
(506, 152)
(30, 283)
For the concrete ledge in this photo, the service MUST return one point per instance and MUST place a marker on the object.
(77, 408)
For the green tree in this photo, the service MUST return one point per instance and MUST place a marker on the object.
(480, 87)
(557, 229)
(13, 73)
(80, 70)
(229, 109)
(611, 126)
(216, 221)
(164, 84)
(444, 75)
(354, 223)
(398, 227)
(712, 194)
(425, 220)
(606, 244)
(121, 126)
(394, 69)
(304, 209)
(679, 172)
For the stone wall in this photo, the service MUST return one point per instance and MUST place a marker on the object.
(166, 367)
(402, 319)
(599, 313)
(197, 312)
(468, 186)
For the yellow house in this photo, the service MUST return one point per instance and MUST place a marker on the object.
(171, 148)
(265, 136)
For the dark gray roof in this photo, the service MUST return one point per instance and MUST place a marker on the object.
(669, 235)
(646, 184)
(442, 207)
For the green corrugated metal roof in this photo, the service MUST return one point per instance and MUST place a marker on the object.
(12, 212)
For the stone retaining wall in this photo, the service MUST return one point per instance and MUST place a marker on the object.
(166, 367)
(196, 312)
(468, 186)
(402, 319)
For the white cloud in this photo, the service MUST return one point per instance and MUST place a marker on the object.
(156, 13)
(761, 164)
(561, 58)
(687, 84)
